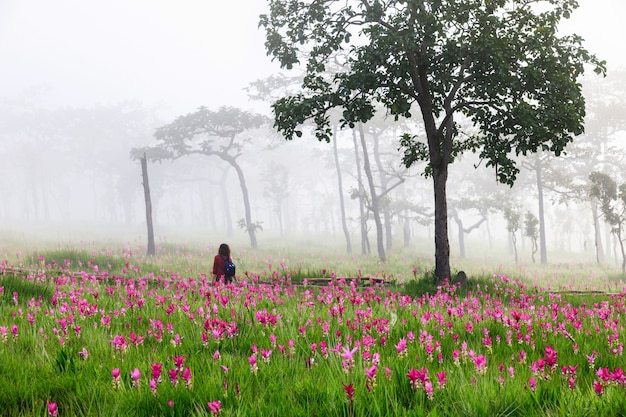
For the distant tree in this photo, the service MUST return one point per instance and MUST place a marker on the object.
(612, 200)
(151, 250)
(276, 177)
(530, 230)
(512, 217)
(498, 63)
(213, 133)
(467, 205)
(342, 204)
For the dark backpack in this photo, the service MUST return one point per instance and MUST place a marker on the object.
(229, 267)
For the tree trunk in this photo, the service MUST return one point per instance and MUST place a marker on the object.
(344, 225)
(597, 232)
(362, 218)
(442, 244)
(146, 191)
(374, 197)
(384, 183)
(250, 227)
(542, 222)
(459, 224)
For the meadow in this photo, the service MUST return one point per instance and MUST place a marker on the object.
(87, 330)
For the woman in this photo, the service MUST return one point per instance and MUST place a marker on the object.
(219, 264)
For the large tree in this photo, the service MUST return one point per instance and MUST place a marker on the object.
(498, 63)
(212, 133)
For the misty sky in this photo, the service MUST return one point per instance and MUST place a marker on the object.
(176, 54)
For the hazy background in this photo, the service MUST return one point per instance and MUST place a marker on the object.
(83, 82)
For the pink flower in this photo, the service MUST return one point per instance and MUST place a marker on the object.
(52, 409)
(135, 374)
(153, 386)
(253, 366)
(428, 387)
(441, 379)
(179, 362)
(266, 354)
(156, 370)
(115, 374)
(173, 374)
(349, 389)
(215, 407)
(598, 387)
(480, 362)
(532, 383)
(348, 358)
(186, 375)
(84, 353)
(401, 347)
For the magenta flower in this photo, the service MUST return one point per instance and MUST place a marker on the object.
(598, 387)
(441, 379)
(15, 331)
(349, 390)
(428, 387)
(215, 407)
(84, 353)
(253, 366)
(52, 409)
(370, 375)
(348, 358)
(173, 374)
(532, 383)
(179, 362)
(266, 354)
(186, 375)
(135, 374)
(153, 386)
(115, 374)
(156, 369)
(480, 362)
(418, 378)
(401, 347)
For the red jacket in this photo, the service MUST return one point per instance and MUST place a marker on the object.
(218, 265)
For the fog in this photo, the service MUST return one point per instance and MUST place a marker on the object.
(83, 83)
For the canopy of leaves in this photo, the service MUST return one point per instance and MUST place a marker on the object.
(498, 63)
(203, 132)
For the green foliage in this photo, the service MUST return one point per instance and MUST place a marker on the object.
(27, 287)
(503, 66)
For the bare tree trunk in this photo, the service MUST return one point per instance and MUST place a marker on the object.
(543, 252)
(342, 205)
(374, 197)
(251, 228)
(362, 218)
(597, 232)
(384, 183)
(146, 191)
(442, 244)
(461, 234)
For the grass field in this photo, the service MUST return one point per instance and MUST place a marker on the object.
(90, 330)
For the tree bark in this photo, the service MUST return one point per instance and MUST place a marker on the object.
(384, 183)
(342, 205)
(246, 203)
(146, 191)
(597, 232)
(362, 218)
(374, 197)
(542, 221)
(442, 244)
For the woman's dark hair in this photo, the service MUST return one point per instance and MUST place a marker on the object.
(224, 250)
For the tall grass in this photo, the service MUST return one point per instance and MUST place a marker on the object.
(80, 313)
